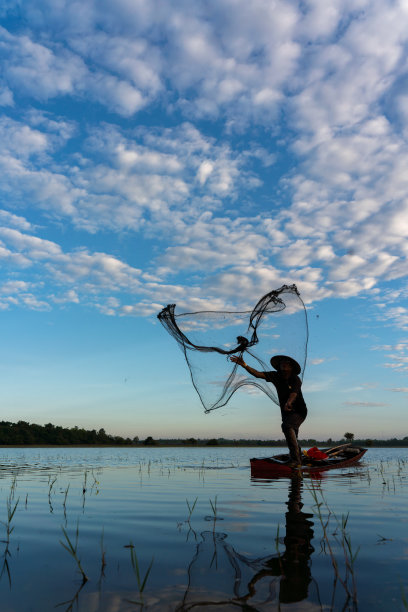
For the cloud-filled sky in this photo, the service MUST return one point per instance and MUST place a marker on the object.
(201, 153)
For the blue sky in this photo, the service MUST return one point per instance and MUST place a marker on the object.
(201, 153)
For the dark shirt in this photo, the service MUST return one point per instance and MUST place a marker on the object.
(284, 388)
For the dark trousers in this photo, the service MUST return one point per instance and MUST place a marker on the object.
(291, 421)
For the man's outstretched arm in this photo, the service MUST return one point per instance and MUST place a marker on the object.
(248, 368)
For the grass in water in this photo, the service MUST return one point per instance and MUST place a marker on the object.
(342, 538)
(191, 508)
(72, 549)
(141, 583)
(103, 553)
(11, 510)
(64, 503)
(50, 487)
(214, 507)
(404, 598)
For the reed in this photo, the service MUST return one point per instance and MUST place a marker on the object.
(141, 582)
(343, 540)
(103, 553)
(13, 487)
(11, 510)
(188, 519)
(73, 602)
(95, 484)
(404, 598)
(64, 503)
(50, 487)
(191, 508)
(72, 549)
(214, 508)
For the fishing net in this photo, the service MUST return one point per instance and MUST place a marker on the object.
(276, 325)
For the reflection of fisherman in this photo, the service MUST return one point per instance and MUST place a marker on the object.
(293, 564)
(285, 576)
(289, 388)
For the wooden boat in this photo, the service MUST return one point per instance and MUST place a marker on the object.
(279, 465)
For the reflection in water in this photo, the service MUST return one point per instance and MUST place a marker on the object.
(254, 584)
(294, 564)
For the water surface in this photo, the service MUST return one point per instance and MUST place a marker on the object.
(214, 538)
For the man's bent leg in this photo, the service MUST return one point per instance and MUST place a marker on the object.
(292, 443)
(290, 427)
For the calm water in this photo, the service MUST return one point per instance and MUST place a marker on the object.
(214, 538)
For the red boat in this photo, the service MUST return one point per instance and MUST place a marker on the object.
(279, 465)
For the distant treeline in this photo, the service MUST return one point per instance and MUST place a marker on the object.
(23, 433)
(278, 443)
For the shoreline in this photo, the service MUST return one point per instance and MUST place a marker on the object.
(250, 443)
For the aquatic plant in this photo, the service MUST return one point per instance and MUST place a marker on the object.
(404, 598)
(11, 510)
(214, 507)
(95, 484)
(103, 553)
(343, 539)
(72, 550)
(13, 487)
(84, 489)
(64, 503)
(383, 539)
(191, 508)
(141, 583)
(73, 601)
(50, 487)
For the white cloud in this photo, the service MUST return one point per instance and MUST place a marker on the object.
(212, 243)
(69, 297)
(58, 129)
(152, 173)
(22, 140)
(231, 56)
(133, 59)
(9, 219)
(46, 70)
(238, 60)
(74, 273)
(36, 70)
(13, 287)
(22, 293)
(365, 404)
(204, 171)
(6, 95)
(333, 71)
(319, 386)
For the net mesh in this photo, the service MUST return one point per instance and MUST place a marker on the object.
(276, 325)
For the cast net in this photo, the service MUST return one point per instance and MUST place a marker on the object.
(276, 326)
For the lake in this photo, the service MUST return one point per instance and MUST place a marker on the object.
(188, 529)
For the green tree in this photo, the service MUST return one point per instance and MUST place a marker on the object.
(349, 436)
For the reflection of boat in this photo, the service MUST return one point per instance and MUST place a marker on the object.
(279, 465)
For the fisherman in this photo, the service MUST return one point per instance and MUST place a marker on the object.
(289, 388)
